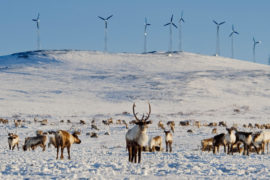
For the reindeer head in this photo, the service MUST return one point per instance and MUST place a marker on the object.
(143, 122)
(231, 130)
(167, 132)
(76, 138)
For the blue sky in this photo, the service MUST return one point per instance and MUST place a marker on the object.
(73, 24)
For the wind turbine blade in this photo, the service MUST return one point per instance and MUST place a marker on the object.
(182, 20)
(182, 13)
(221, 23)
(236, 32)
(37, 25)
(215, 22)
(167, 24)
(34, 20)
(233, 28)
(38, 16)
(148, 24)
(254, 40)
(109, 17)
(145, 21)
(172, 18)
(174, 25)
(101, 18)
(231, 34)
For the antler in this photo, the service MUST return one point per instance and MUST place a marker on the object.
(148, 115)
(137, 119)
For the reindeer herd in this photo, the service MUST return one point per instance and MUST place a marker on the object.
(60, 139)
(137, 139)
(233, 139)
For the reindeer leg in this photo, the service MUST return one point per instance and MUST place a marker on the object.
(18, 146)
(62, 153)
(170, 147)
(135, 153)
(132, 153)
(166, 146)
(232, 149)
(139, 154)
(57, 150)
(68, 150)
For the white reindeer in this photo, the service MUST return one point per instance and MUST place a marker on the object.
(13, 140)
(168, 140)
(136, 137)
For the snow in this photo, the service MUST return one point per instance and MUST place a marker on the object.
(86, 85)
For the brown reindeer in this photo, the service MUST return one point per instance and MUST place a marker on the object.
(154, 143)
(207, 144)
(64, 140)
(136, 137)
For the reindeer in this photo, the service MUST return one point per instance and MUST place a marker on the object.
(230, 139)
(168, 140)
(136, 137)
(13, 140)
(247, 139)
(64, 140)
(33, 142)
(261, 139)
(155, 142)
(207, 144)
(217, 141)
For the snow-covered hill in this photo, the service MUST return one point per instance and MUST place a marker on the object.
(87, 85)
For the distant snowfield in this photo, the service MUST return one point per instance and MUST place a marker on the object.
(83, 85)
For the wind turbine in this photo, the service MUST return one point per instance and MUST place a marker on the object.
(37, 20)
(145, 34)
(231, 36)
(254, 46)
(106, 27)
(171, 24)
(217, 42)
(180, 31)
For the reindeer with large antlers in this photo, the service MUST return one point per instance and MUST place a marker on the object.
(136, 137)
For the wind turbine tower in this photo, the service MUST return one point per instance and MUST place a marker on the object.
(217, 40)
(231, 36)
(254, 46)
(105, 31)
(180, 31)
(171, 24)
(145, 35)
(37, 20)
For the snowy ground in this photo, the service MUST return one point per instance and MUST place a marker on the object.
(82, 85)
